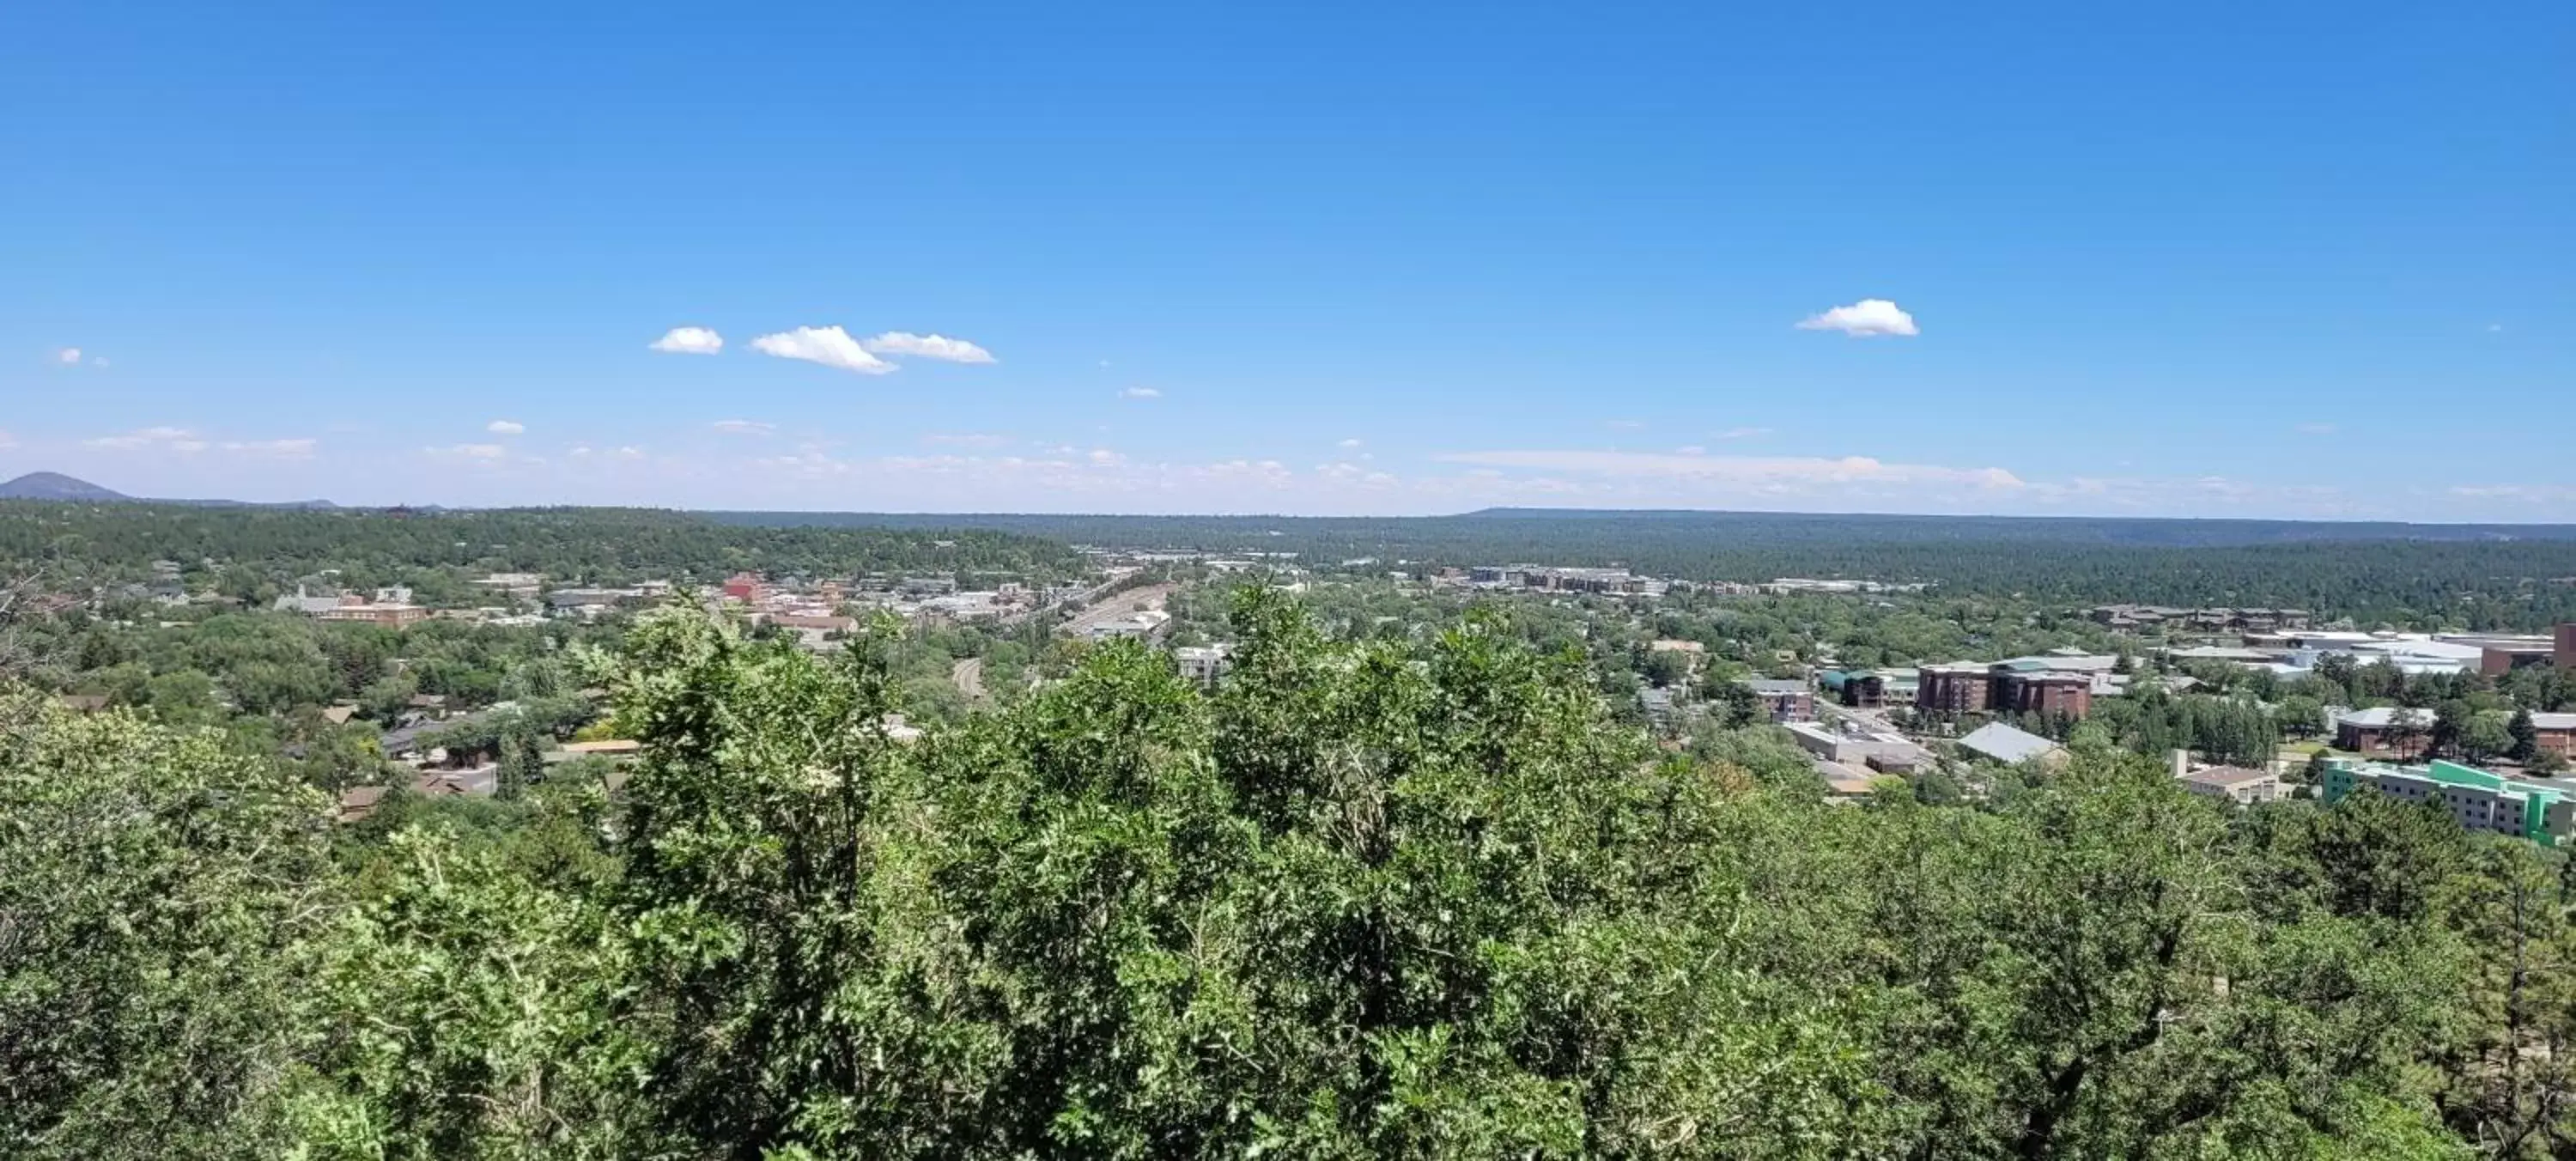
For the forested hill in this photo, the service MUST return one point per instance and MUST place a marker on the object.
(107, 541)
(2484, 576)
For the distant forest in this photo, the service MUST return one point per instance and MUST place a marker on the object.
(257, 547)
(2475, 576)
(2402, 575)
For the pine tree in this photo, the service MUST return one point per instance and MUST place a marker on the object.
(2526, 736)
(522, 763)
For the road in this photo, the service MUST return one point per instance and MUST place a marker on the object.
(969, 676)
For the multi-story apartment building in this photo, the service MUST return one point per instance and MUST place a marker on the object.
(2478, 799)
(1964, 688)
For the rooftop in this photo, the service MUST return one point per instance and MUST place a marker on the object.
(2004, 743)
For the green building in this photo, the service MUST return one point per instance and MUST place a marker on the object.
(2478, 799)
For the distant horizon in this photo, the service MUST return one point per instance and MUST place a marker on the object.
(1499, 509)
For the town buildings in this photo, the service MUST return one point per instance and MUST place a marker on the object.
(2383, 730)
(1784, 701)
(1201, 664)
(2478, 799)
(2008, 745)
(392, 607)
(1873, 688)
(1552, 579)
(2055, 685)
(1883, 752)
(2236, 784)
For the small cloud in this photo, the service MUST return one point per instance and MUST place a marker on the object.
(628, 452)
(68, 356)
(2495, 328)
(938, 347)
(172, 438)
(1744, 433)
(830, 346)
(282, 449)
(470, 451)
(2315, 429)
(1104, 364)
(744, 427)
(965, 439)
(1105, 458)
(688, 341)
(506, 427)
(1352, 442)
(1868, 318)
(1691, 450)
(1140, 393)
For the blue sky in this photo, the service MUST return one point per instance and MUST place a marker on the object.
(2277, 259)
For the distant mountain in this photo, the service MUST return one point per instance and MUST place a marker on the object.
(61, 489)
(57, 486)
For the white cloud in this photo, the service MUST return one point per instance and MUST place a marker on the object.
(68, 356)
(1140, 393)
(1105, 458)
(2527, 493)
(185, 442)
(965, 439)
(506, 427)
(688, 341)
(1744, 433)
(1748, 470)
(830, 346)
(1352, 442)
(744, 427)
(2495, 328)
(283, 449)
(470, 451)
(938, 347)
(1691, 450)
(1868, 318)
(171, 438)
(98, 360)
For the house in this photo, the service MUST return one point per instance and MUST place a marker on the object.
(2006, 744)
(1783, 701)
(2236, 784)
(339, 715)
(357, 802)
(2385, 730)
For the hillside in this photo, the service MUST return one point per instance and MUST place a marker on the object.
(57, 486)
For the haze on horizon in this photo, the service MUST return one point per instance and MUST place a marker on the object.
(2295, 262)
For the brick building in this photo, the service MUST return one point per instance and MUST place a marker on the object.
(1955, 689)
